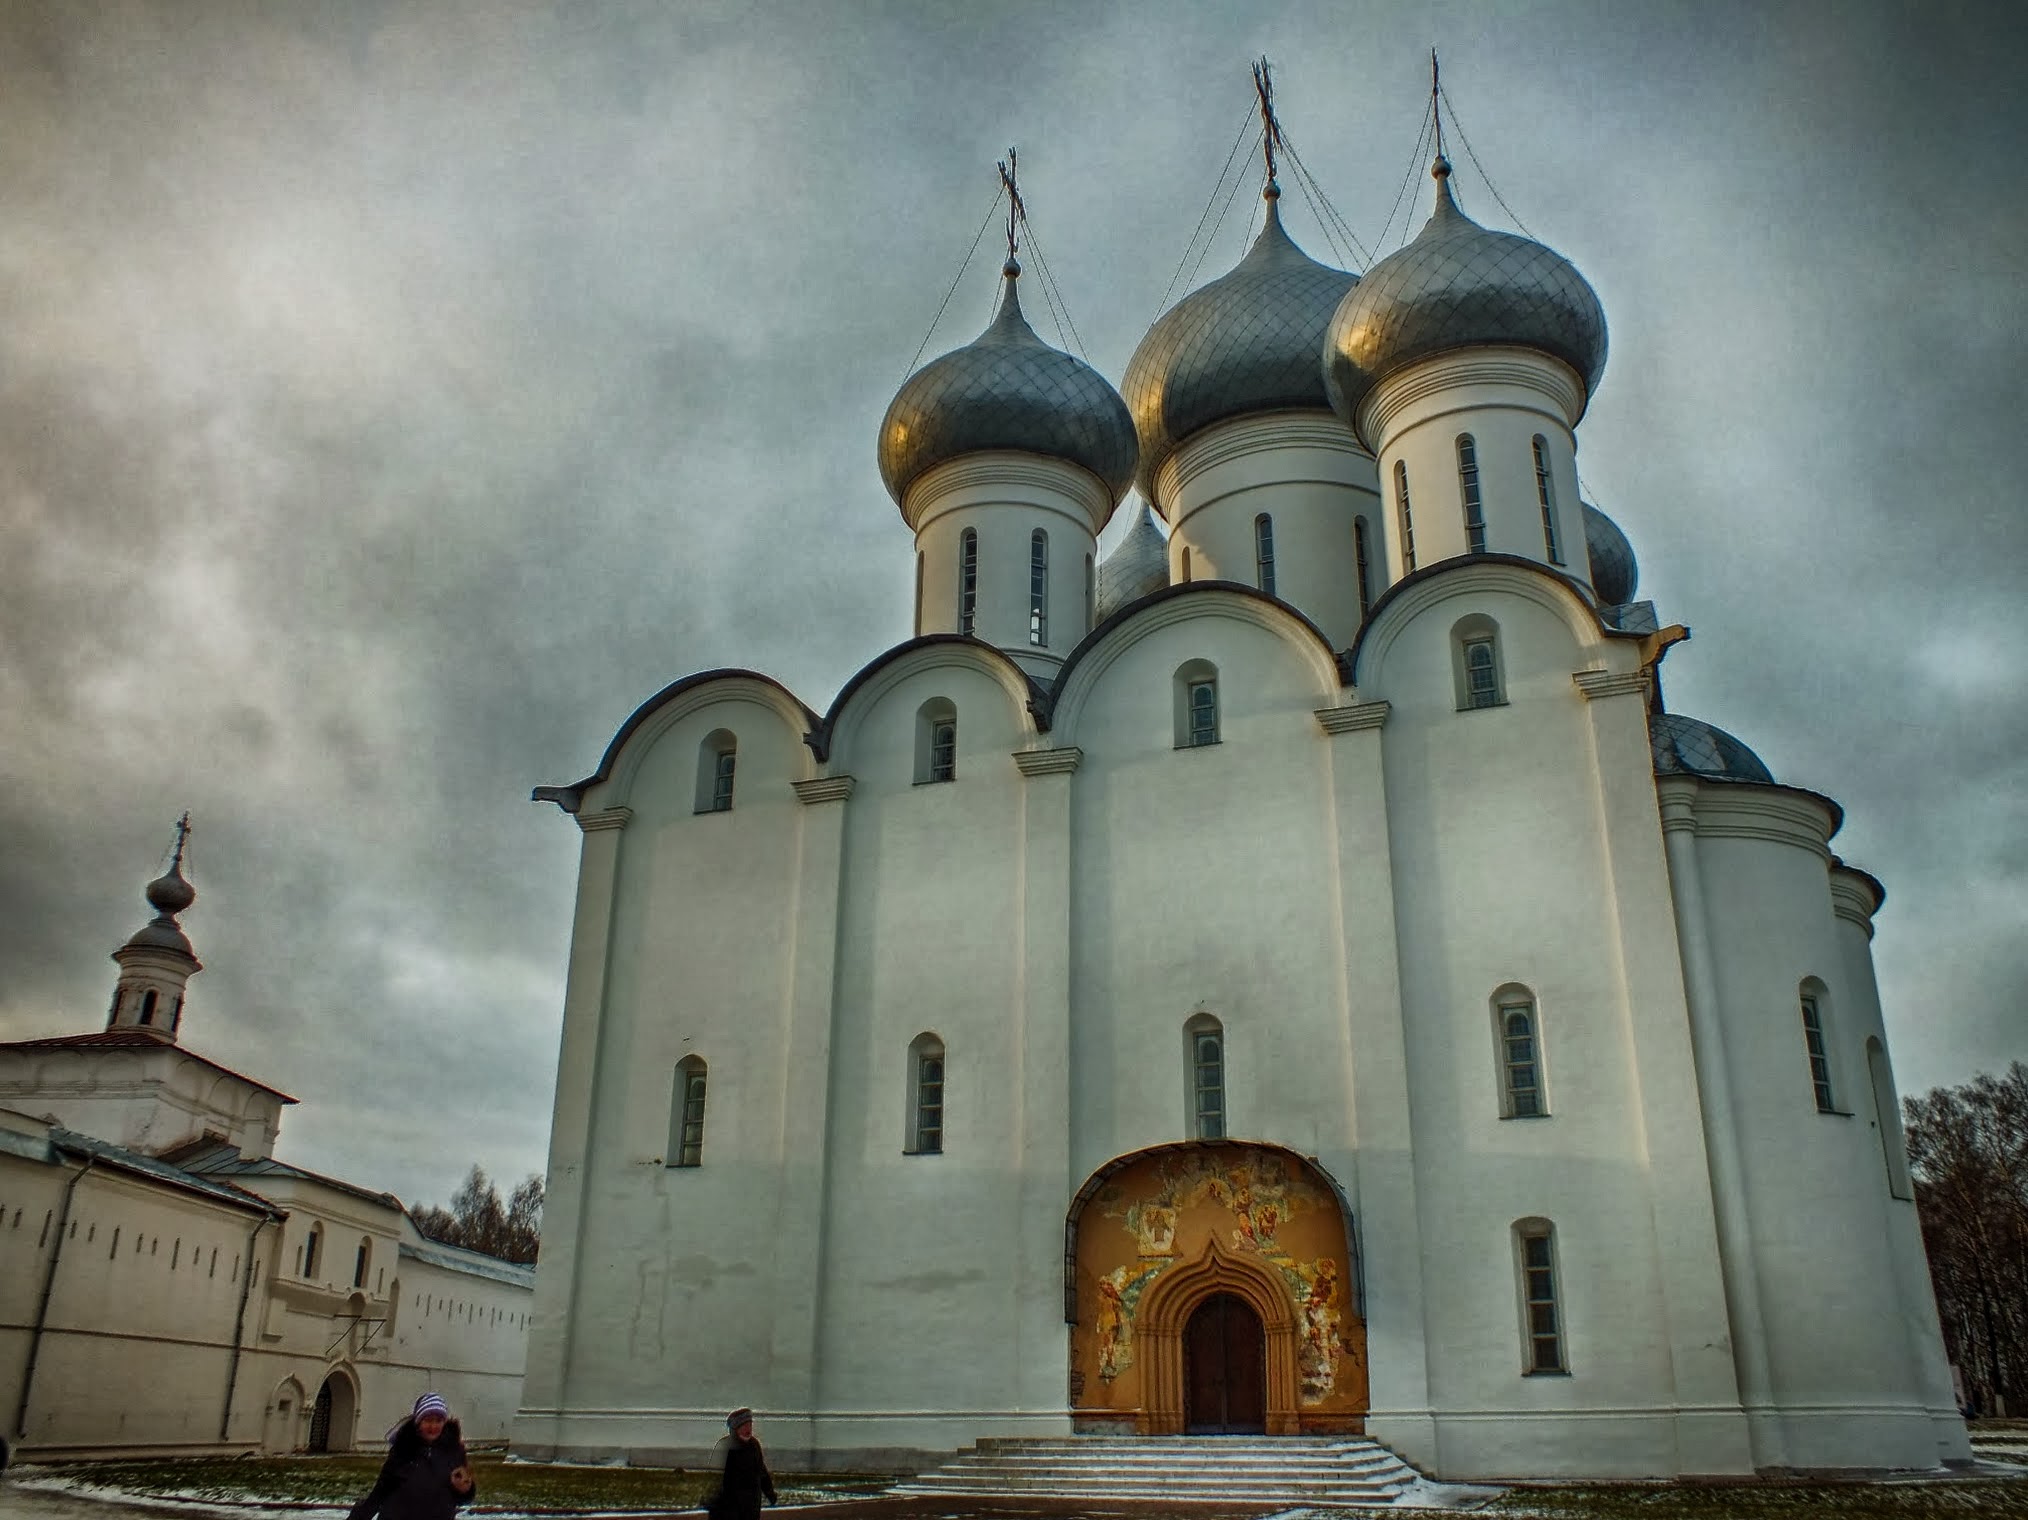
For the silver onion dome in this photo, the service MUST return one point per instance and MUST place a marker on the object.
(1137, 568)
(1460, 285)
(1615, 574)
(1007, 389)
(1245, 343)
(1685, 747)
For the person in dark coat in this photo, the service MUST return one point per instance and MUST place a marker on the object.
(426, 1475)
(746, 1477)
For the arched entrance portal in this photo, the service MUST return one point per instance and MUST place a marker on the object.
(334, 1415)
(1224, 1369)
(1211, 1287)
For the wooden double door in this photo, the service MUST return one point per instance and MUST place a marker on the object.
(1224, 1368)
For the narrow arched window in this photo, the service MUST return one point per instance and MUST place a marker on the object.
(686, 1114)
(1481, 679)
(1545, 492)
(1186, 567)
(1196, 704)
(1204, 1044)
(1819, 1051)
(1468, 493)
(1038, 589)
(1362, 563)
(1887, 1120)
(313, 1250)
(362, 1260)
(926, 1096)
(918, 594)
(936, 741)
(1475, 663)
(148, 1007)
(968, 579)
(1407, 517)
(1520, 1043)
(717, 762)
(1264, 552)
(1542, 1305)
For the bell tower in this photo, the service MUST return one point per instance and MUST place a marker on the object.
(157, 962)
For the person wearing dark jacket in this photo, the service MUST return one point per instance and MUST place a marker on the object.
(426, 1475)
(746, 1475)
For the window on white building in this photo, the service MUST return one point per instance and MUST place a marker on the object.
(1362, 560)
(1406, 516)
(1520, 1040)
(313, 1252)
(1475, 663)
(686, 1114)
(1541, 1303)
(717, 765)
(1264, 553)
(926, 1096)
(1204, 1042)
(1196, 705)
(1038, 589)
(1818, 1050)
(1468, 493)
(936, 741)
(968, 579)
(1545, 492)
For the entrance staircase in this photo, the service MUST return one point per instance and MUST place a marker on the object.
(1348, 1472)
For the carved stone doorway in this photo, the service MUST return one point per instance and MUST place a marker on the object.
(1224, 1369)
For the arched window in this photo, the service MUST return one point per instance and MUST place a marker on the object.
(1468, 494)
(1186, 567)
(176, 1015)
(686, 1114)
(1038, 589)
(1475, 663)
(1541, 1302)
(1407, 518)
(968, 579)
(1204, 1062)
(925, 1096)
(1264, 552)
(313, 1251)
(148, 1006)
(1090, 594)
(1196, 704)
(717, 760)
(362, 1260)
(1545, 492)
(1362, 562)
(918, 594)
(1887, 1120)
(936, 741)
(1519, 1035)
(1812, 999)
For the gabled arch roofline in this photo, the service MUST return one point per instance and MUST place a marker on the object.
(1569, 584)
(1164, 594)
(824, 729)
(570, 798)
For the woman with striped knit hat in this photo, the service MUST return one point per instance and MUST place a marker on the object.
(426, 1475)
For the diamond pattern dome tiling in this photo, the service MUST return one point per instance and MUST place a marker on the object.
(1615, 574)
(1459, 285)
(1138, 567)
(1685, 747)
(1007, 389)
(1245, 343)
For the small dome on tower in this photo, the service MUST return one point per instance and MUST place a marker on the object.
(1007, 389)
(1245, 343)
(1460, 285)
(1686, 747)
(170, 893)
(1138, 567)
(1615, 574)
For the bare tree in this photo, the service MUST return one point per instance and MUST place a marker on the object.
(1968, 1147)
(479, 1221)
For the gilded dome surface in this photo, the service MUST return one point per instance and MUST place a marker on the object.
(1007, 389)
(1137, 568)
(1686, 747)
(1460, 285)
(1247, 342)
(1615, 574)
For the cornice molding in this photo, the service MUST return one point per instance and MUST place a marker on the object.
(1736, 810)
(1612, 683)
(1060, 761)
(1522, 368)
(1852, 898)
(1355, 718)
(606, 818)
(824, 789)
(1239, 437)
(1012, 479)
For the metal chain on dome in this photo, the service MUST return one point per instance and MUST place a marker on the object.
(1481, 168)
(1309, 184)
(963, 265)
(1205, 215)
(1052, 293)
(1415, 159)
(1204, 250)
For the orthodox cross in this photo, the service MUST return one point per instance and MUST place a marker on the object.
(1271, 128)
(1436, 101)
(182, 836)
(1017, 213)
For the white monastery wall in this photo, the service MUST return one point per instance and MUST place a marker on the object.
(143, 1099)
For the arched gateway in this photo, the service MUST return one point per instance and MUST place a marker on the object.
(1210, 1286)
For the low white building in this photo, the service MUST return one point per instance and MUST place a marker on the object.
(168, 1285)
(1295, 978)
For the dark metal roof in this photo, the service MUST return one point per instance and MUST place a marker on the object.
(1615, 573)
(1685, 746)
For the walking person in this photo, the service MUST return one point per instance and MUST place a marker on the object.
(745, 1477)
(426, 1475)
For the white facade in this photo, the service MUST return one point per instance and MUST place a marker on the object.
(1419, 812)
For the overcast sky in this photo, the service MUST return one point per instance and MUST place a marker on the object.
(393, 396)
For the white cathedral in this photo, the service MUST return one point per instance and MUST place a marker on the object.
(1292, 978)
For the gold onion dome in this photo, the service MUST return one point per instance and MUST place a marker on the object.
(1007, 389)
(1460, 285)
(1245, 343)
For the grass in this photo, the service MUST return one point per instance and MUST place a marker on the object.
(1927, 1500)
(502, 1485)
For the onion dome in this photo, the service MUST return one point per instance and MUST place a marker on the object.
(1138, 567)
(1615, 574)
(168, 894)
(1007, 389)
(1460, 285)
(1245, 343)
(1685, 747)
